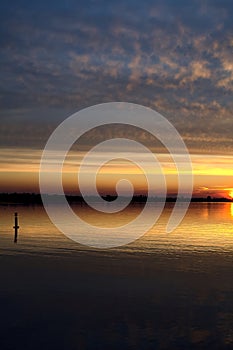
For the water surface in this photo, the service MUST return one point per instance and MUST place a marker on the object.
(163, 291)
(207, 227)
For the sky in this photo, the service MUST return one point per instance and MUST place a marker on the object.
(58, 57)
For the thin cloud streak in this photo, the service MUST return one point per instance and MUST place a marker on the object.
(207, 169)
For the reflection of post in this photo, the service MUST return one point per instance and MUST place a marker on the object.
(16, 227)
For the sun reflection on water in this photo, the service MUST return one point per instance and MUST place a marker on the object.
(206, 227)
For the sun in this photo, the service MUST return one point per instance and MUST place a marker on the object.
(231, 194)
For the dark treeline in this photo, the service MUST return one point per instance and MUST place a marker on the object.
(20, 198)
(34, 198)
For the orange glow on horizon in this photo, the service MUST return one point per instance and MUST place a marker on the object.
(20, 173)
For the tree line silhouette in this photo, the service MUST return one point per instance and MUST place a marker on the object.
(35, 198)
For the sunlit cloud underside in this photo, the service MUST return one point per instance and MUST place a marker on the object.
(20, 171)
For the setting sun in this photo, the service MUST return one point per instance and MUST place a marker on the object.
(231, 193)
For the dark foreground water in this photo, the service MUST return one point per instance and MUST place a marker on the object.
(161, 292)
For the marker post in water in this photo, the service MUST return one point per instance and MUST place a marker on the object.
(16, 227)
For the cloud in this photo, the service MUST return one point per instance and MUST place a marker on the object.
(175, 57)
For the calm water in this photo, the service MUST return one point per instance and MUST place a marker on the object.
(163, 291)
(207, 227)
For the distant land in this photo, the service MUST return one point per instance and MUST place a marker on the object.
(35, 198)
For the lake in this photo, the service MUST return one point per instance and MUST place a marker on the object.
(162, 291)
(207, 227)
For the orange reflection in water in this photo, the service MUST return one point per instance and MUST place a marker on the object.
(206, 227)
